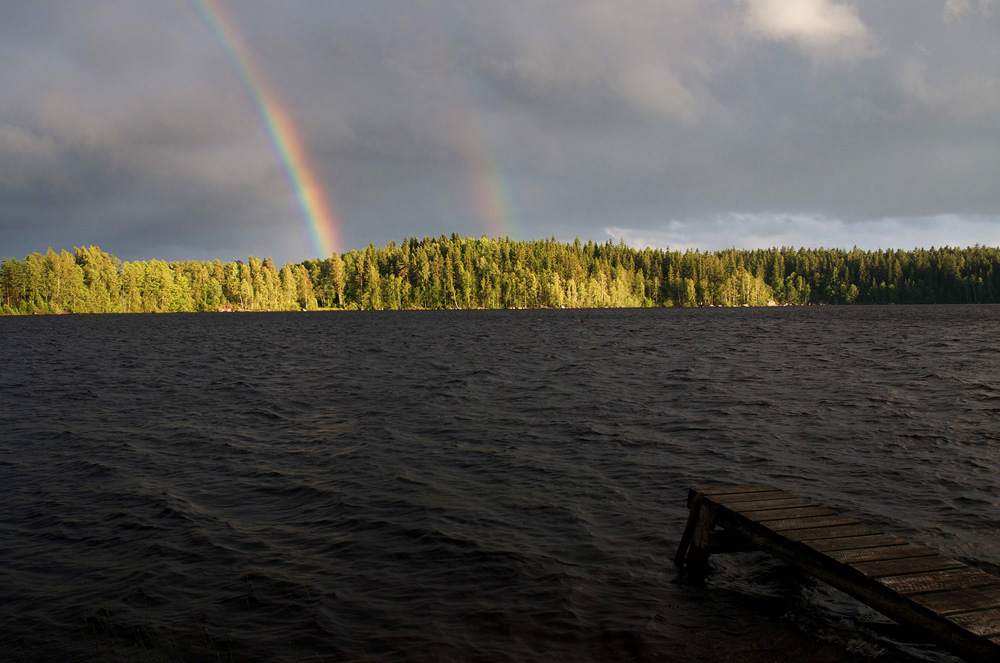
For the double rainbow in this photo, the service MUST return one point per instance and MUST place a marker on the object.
(318, 213)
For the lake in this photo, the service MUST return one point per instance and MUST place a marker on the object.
(473, 485)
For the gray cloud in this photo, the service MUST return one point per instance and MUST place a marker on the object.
(685, 124)
(958, 9)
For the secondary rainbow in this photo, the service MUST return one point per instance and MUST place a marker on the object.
(493, 199)
(318, 213)
(491, 193)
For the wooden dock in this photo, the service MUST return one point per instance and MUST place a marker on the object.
(913, 585)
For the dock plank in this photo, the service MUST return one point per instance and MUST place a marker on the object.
(938, 581)
(983, 622)
(749, 497)
(854, 542)
(726, 490)
(898, 567)
(767, 505)
(962, 600)
(808, 522)
(781, 514)
(950, 601)
(879, 553)
(830, 532)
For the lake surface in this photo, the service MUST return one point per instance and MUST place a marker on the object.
(479, 485)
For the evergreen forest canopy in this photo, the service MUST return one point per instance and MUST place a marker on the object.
(456, 272)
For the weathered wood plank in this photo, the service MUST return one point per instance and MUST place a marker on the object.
(766, 505)
(811, 522)
(963, 600)
(983, 622)
(851, 555)
(748, 497)
(782, 514)
(829, 532)
(712, 491)
(937, 581)
(849, 542)
(898, 567)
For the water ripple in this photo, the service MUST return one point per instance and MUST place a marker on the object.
(502, 486)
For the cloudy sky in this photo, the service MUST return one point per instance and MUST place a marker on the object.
(143, 126)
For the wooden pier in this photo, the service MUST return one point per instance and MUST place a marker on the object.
(913, 585)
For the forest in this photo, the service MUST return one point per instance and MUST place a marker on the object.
(464, 273)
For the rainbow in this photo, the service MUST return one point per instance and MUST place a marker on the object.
(492, 196)
(317, 212)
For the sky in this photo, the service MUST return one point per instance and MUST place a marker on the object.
(219, 129)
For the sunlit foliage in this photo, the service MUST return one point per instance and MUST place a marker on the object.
(457, 272)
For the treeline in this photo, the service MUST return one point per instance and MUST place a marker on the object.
(456, 272)
(92, 281)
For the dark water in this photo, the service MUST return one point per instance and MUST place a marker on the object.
(498, 486)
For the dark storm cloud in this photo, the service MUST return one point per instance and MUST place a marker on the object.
(688, 123)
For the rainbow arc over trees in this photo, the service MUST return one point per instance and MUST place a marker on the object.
(492, 196)
(318, 212)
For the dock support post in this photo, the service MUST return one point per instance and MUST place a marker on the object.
(696, 542)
